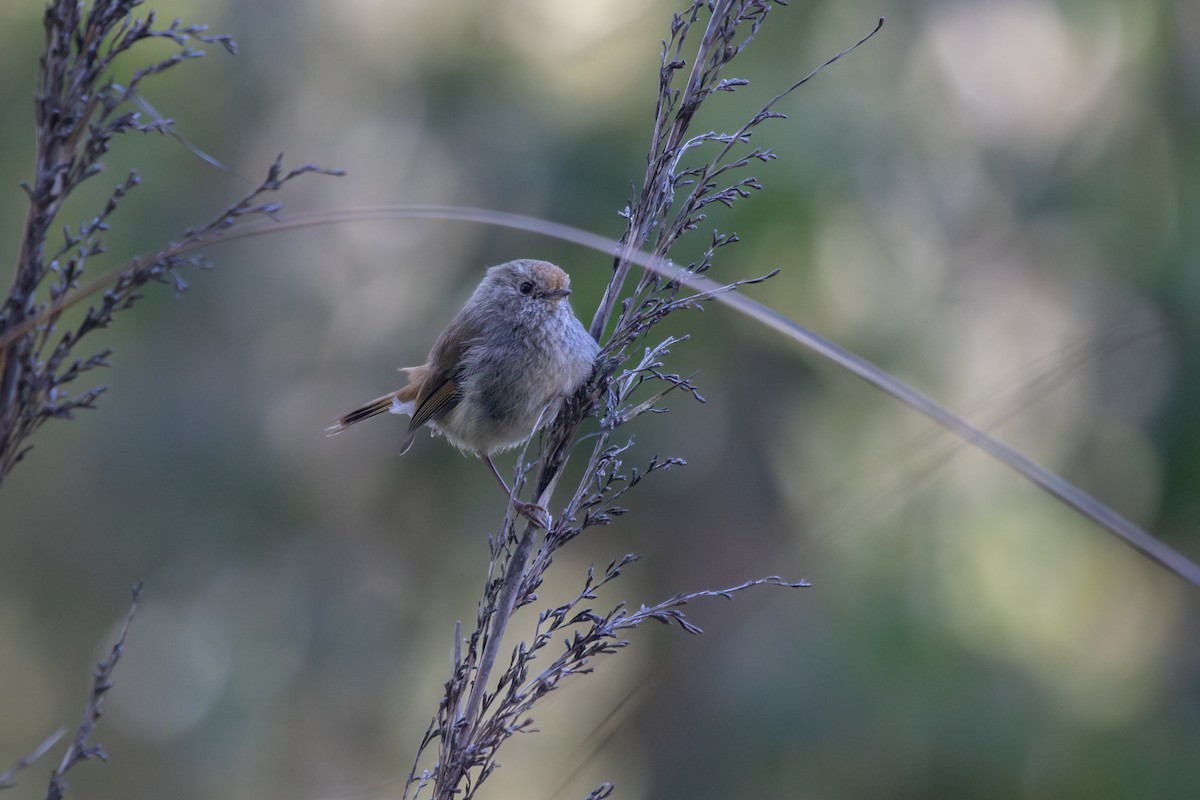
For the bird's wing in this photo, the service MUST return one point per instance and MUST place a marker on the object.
(434, 403)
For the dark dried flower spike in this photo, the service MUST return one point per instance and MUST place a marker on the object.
(79, 749)
(470, 731)
(79, 111)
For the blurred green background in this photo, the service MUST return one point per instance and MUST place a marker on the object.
(997, 201)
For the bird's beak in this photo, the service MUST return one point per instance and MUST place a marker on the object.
(558, 294)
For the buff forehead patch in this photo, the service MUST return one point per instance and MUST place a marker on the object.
(549, 275)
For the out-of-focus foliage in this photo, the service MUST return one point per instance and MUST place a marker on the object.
(995, 200)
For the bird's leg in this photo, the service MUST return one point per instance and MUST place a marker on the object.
(531, 511)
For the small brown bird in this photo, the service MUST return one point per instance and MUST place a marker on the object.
(500, 370)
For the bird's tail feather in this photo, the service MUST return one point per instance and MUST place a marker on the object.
(400, 401)
(377, 406)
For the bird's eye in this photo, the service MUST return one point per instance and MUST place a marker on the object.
(526, 287)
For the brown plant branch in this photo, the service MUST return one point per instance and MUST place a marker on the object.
(79, 750)
(8, 778)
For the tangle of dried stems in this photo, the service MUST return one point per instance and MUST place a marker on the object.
(489, 695)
